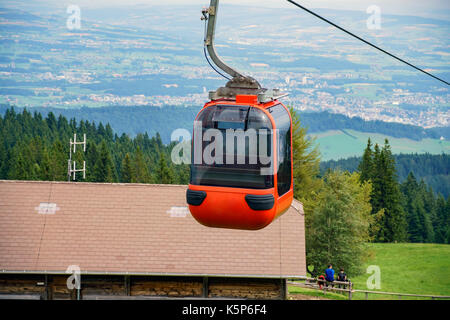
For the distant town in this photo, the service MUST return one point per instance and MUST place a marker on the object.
(146, 63)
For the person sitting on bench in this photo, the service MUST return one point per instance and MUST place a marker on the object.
(342, 277)
(329, 274)
(321, 281)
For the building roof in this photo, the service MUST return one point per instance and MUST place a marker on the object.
(136, 229)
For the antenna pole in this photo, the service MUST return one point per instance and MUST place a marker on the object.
(74, 171)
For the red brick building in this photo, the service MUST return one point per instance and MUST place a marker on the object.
(136, 241)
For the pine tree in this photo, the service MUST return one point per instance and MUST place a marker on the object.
(37, 153)
(91, 159)
(415, 221)
(413, 208)
(447, 222)
(52, 123)
(159, 142)
(371, 172)
(443, 216)
(141, 172)
(126, 172)
(57, 163)
(429, 220)
(306, 164)
(3, 160)
(394, 221)
(377, 181)
(386, 197)
(182, 174)
(19, 167)
(430, 206)
(164, 173)
(109, 133)
(103, 168)
(366, 166)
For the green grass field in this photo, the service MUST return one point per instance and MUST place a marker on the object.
(405, 268)
(293, 291)
(409, 268)
(341, 144)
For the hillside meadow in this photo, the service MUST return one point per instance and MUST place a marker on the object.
(413, 268)
(340, 144)
(409, 268)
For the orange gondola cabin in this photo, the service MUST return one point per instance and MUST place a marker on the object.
(247, 183)
(241, 169)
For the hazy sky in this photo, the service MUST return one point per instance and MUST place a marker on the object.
(427, 8)
(397, 6)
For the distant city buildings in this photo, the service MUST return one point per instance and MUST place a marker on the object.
(150, 65)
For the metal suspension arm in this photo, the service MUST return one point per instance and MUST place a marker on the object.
(210, 14)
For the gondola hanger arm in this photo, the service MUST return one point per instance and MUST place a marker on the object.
(238, 78)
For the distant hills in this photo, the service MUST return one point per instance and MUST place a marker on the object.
(130, 120)
(339, 136)
(325, 121)
(134, 120)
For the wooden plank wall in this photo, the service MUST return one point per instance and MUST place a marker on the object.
(166, 287)
(92, 287)
(245, 288)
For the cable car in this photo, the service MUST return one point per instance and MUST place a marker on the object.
(241, 169)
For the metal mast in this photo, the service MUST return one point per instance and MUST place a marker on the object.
(73, 170)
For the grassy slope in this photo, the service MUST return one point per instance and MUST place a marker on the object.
(293, 290)
(405, 268)
(410, 268)
(346, 143)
